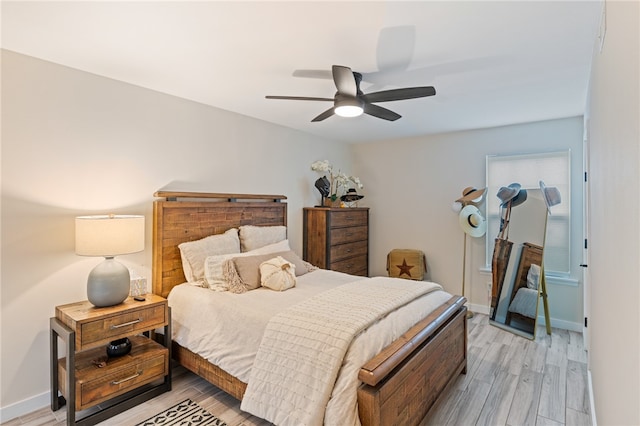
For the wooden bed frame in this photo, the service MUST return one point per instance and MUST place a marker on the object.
(400, 384)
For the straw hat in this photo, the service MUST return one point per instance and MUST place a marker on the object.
(471, 195)
(472, 222)
(551, 195)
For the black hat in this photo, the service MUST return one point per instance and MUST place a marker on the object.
(351, 195)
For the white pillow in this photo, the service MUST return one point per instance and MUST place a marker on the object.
(253, 237)
(194, 253)
(214, 273)
(533, 276)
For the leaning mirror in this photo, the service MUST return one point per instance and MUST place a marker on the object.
(517, 266)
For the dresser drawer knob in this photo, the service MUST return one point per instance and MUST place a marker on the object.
(113, 327)
(126, 379)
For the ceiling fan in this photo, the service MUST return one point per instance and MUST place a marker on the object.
(349, 101)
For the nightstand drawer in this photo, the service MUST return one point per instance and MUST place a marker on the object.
(343, 251)
(348, 217)
(146, 362)
(347, 235)
(354, 266)
(106, 329)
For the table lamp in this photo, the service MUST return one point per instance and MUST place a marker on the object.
(109, 236)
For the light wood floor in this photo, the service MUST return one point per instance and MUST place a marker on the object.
(510, 381)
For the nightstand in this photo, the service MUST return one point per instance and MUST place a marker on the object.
(123, 382)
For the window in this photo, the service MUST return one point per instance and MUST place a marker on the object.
(554, 169)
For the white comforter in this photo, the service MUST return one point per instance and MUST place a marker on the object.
(226, 329)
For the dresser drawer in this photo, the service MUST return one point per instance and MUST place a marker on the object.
(354, 265)
(347, 235)
(146, 362)
(344, 251)
(348, 217)
(108, 328)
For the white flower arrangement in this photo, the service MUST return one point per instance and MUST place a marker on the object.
(339, 182)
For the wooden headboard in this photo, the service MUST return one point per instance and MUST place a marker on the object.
(187, 216)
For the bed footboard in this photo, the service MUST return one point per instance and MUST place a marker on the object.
(403, 382)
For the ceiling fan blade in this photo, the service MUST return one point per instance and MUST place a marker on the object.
(324, 74)
(328, 113)
(378, 111)
(399, 94)
(299, 98)
(344, 80)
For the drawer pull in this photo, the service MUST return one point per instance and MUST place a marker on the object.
(113, 327)
(126, 379)
(349, 250)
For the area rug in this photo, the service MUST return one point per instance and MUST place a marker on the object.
(185, 413)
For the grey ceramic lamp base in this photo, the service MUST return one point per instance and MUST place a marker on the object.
(108, 283)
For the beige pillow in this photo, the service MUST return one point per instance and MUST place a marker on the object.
(214, 265)
(248, 267)
(253, 237)
(277, 274)
(194, 253)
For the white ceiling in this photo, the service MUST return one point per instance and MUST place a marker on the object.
(492, 63)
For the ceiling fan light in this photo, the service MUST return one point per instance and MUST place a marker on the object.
(349, 107)
(348, 110)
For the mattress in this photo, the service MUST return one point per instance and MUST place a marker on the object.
(525, 302)
(226, 329)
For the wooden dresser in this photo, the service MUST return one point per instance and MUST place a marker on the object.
(337, 239)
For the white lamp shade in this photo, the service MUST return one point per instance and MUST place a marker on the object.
(109, 235)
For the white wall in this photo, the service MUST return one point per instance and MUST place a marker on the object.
(76, 143)
(412, 183)
(614, 263)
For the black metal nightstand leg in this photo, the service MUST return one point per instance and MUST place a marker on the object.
(69, 337)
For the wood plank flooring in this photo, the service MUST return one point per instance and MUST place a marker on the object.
(510, 381)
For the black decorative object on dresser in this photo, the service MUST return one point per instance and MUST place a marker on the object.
(337, 239)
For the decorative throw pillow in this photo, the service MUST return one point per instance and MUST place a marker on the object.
(214, 265)
(277, 274)
(248, 267)
(253, 237)
(533, 276)
(194, 253)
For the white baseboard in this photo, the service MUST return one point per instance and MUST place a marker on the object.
(25, 406)
(481, 309)
(563, 324)
(592, 402)
(556, 323)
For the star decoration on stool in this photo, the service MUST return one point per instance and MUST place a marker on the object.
(404, 268)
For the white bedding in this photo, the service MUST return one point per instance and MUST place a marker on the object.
(226, 329)
(525, 302)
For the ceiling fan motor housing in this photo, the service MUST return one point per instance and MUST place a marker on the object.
(348, 106)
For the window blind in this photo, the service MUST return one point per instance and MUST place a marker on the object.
(553, 168)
